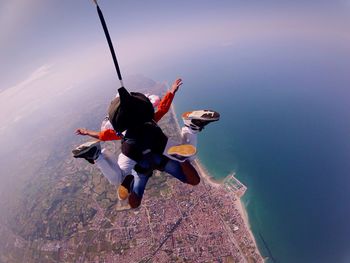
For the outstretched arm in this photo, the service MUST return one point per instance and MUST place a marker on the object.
(176, 85)
(166, 101)
(83, 131)
(105, 135)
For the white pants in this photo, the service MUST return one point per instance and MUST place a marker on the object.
(116, 170)
(189, 136)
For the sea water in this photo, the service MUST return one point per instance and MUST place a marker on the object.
(285, 132)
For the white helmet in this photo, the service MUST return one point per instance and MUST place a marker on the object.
(154, 100)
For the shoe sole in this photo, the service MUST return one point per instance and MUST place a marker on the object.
(82, 149)
(185, 150)
(215, 116)
(123, 192)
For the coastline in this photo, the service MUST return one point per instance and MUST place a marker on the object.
(238, 202)
(215, 183)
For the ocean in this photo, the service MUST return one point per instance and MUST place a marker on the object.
(285, 133)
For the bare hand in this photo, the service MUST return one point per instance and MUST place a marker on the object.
(177, 83)
(81, 131)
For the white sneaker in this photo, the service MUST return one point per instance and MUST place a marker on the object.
(196, 120)
(89, 151)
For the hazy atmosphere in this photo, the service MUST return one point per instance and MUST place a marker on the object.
(277, 71)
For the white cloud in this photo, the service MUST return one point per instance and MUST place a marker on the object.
(49, 83)
(39, 73)
(22, 99)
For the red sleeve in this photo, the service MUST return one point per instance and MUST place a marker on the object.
(164, 106)
(108, 135)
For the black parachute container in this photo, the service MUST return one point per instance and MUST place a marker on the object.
(129, 110)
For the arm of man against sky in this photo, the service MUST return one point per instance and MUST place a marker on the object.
(164, 106)
(166, 101)
(106, 135)
(83, 131)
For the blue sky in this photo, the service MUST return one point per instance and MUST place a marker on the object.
(49, 47)
(34, 33)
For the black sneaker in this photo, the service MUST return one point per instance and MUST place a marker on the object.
(89, 151)
(124, 188)
(196, 120)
